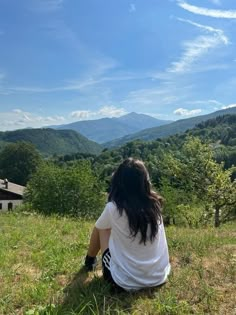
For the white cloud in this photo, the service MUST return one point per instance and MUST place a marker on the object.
(81, 114)
(198, 47)
(226, 14)
(187, 112)
(229, 106)
(111, 111)
(206, 102)
(18, 118)
(72, 85)
(132, 7)
(163, 97)
(106, 111)
(18, 111)
(208, 29)
(214, 104)
(26, 117)
(54, 119)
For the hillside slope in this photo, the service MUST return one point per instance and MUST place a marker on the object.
(219, 133)
(43, 263)
(107, 129)
(221, 130)
(178, 126)
(50, 141)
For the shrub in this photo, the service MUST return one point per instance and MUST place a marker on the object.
(73, 190)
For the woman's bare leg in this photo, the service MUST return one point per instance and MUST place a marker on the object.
(99, 240)
(104, 236)
(94, 244)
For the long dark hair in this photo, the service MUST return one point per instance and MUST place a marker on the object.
(131, 191)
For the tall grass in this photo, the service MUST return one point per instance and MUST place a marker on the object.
(41, 271)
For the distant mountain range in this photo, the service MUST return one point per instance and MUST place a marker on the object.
(50, 141)
(107, 129)
(178, 126)
(61, 142)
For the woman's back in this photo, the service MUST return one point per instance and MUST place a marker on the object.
(133, 264)
(131, 232)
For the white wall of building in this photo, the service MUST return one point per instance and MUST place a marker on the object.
(6, 202)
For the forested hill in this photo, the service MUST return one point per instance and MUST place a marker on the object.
(178, 126)
(50, 141)
(220, 130)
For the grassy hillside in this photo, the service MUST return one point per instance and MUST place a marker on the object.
(41, 271)
(50, 141)
(178, 126)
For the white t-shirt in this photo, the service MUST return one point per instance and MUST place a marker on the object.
(133, 265)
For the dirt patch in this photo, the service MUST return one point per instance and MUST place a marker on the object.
(229, 246)
(26, 270)
(220, 274)
(91, 275)
(211, 263)
(230, 233)
(174, 261)
(62, 280)
(227, 298)
(227, 253)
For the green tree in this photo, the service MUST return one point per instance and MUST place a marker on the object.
(72, 190)
(221, 194)
(209, 179)
(18, 161)
(193, 171)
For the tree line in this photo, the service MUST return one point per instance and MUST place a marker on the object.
(197, 186)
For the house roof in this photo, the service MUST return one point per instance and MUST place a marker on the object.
(13, 188)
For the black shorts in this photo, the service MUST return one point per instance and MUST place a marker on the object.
(106, 257)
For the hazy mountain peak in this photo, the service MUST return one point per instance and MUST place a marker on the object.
(107, 129)
(178, 126)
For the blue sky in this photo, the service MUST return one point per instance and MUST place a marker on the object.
(70, 60)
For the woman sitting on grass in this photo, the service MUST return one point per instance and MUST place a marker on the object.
(130, 232)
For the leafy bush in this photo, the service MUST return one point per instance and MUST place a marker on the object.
(73, 190)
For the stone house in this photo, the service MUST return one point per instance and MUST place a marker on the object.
(11, 195)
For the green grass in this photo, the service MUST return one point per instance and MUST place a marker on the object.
(41, 271)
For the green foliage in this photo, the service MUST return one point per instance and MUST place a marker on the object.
(194, 173)
(43, 310)
(18, 161)
(181, 207)
(190, 215)
(221, 193)
(221, 128)
(184, 169)
(72, 190)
